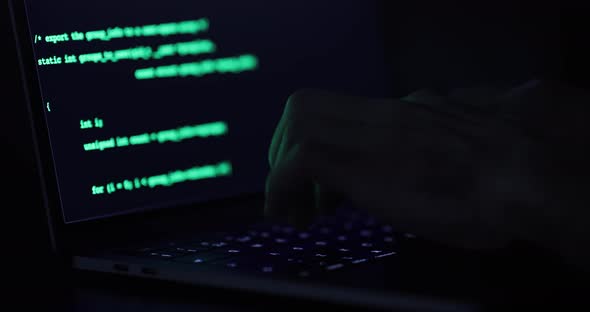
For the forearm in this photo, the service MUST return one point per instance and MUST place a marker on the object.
(574, 244)
(562, 218)
(571, 227)
(555, 118)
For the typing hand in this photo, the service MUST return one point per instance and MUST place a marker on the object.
(442, 173)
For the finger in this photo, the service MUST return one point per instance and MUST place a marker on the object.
(311, 116)
(291, 185)
(347, 135)
(352, 140)
(397, 192)
(289, 192)
(398, 199)
(412, 123)
(326, 200)
(276, 139)
(443, 113)
(327, 105)
(351, 121)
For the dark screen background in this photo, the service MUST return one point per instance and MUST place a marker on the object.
(331, 45)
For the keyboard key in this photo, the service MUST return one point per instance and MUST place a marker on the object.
(199, 258)
(229, 263)
(388, 239)
(168, 253)
(209, 255)
(232, 264)
(304, 235)
(360, 260)
(333, 267)
(387, 229)
(191, 249)
(265, 266)
(244, 239)
(205, 243)
(164, 255)
(319, 260)
(409, 235)
(383, 255)
(331, 244)
(283, 249)
(366, 233)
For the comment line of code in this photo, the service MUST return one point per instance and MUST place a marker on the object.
(222, 64)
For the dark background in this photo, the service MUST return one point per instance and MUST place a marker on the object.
(433, 43)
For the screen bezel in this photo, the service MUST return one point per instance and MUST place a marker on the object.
(68, 238)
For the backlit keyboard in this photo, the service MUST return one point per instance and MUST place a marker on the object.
(329, 244)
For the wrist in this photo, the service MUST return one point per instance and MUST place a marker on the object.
(559, 221)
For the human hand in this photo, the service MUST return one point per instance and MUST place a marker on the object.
(457, 169)
(440, 174)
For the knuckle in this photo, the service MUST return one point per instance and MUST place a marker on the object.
(297, 116)
(298, 101)
(299, 95)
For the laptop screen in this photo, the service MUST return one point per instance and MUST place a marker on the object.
(152, 104)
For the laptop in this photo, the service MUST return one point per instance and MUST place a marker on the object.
(152, 123)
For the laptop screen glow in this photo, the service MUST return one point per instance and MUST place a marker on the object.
(150, 104)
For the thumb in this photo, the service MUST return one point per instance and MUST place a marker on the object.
(326, 200)
(289, 193)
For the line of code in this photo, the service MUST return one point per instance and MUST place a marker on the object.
(168, 179)
(234, 65)
(175, 135)
(137, 53)
(213, 65)
(156, 51)
(191, 27)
